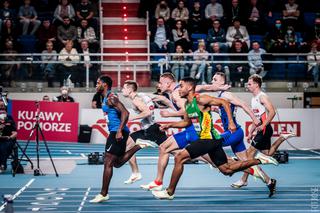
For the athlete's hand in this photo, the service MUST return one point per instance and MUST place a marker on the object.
(232, 127)
(119, 136)
(261, 127)
(256, 122)
(164, 127)
(164, 113)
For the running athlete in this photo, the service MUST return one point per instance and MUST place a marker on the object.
(198, 114)
(144, 108)
(167, 84)
(264, 110)
(115, 151)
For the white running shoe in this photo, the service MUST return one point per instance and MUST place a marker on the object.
(257, 173)
(265, 159)
(239, 184)
(99, 198)
(152, 186)
(162, 195)
(133, 178)
(146, 143)
(287, 135)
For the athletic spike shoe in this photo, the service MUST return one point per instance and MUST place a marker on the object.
(99, 198)
(265, 159)
(287, 135)
(162, 195)
(152, 186)
(146, 143)
(239, 184)
(272, 187)
(257, 173)
(133, 178)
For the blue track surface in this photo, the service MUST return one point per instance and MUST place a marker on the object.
(200, 189)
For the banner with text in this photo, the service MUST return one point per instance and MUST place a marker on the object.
(57, 120)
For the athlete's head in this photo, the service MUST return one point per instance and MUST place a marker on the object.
(104, 83)
(219, 79)
(166, 80)
(129, 87)
(254, 82)
(187, 85)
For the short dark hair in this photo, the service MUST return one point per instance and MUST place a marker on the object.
(257, 79)
(223, 75)
(168, 75)
(132, 84)
(106, 79)
(190, 81)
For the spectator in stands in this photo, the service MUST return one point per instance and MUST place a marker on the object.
(314, 63)
(219, 67)
(275, 38)
(314, 35)
(161, 38)
(180, 13)
(49, 54)
(213, 11)
(162, 10)
(69, 58)
(64, 9)
(255, 18)
(181, 37)
(9, 32)
(237, 32)
(28, 15)
(238, 71)
(97, 99)
(291, 40)
(47, 32)
(66, 32)
(87, 33)
(216, 34)
(64, 97)
(179, 69)
(199, 68)
(255, 60)
(196, 19)
(86, 58)
(9, 71)
(8, 135)
(6, 13)
(46, 98)
(85, 10)
(291, 14)
(234, 11)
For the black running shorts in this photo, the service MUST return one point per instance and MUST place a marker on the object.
(115, 147)
(153, 133)
(212, 147)
(262, 141)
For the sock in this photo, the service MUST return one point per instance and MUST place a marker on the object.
(269, 182)
(158, 182)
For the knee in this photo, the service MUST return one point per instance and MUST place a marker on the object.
(179, 158)
(225, 170)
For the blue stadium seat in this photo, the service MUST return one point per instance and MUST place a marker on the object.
(277, 71)
(309, 20)
(297, 71)
(27, 43)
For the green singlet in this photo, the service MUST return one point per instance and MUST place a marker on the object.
(202, 121)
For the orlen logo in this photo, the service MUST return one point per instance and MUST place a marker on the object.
(281, 126)
(218, 126)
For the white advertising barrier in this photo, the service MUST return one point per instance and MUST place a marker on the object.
(304, 122)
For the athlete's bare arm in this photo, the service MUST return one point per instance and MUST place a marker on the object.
(114, 101)
(270, 109)
(212, 87)
(238, 102)
(142, 107)
(163, 100)
(180, 103)
(209, 100)
(179, 124)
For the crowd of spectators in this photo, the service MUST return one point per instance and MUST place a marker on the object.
(49, 27)
(253, 27)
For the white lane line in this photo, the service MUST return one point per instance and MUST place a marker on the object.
(17, 193)
(84, 200)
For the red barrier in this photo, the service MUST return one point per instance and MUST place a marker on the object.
(58, 121)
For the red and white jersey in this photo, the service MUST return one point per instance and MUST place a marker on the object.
(148, 121)
(259, 110)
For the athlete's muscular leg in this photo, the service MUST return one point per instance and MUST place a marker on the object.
(274, 147)
(133, 160)
(231, 168)
(107, 172)
(164, 151)
(179, 160)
